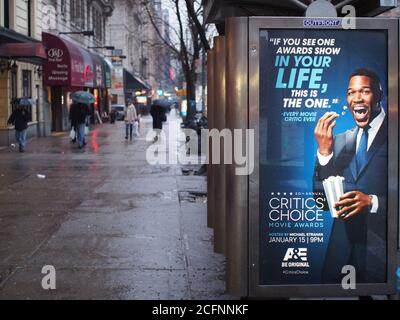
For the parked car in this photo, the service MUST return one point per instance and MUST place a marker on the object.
(119, 111)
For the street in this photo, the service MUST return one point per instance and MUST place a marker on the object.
(113, 226)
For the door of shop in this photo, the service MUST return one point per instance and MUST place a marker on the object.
(56, 108)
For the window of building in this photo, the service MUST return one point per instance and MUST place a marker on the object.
(88, 15)
(14, 90)
(97, 20)
(102, 28)
(63, 8)
(72, 10)
(30, 12)
(6, 12)
(14, 85)
(26, 83)
(94, 21)
(77, 12)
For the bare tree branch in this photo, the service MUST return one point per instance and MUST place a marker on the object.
(184, 51)
(167, 43)
(193, 16)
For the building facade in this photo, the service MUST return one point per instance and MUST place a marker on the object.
(147, 59)
(21, 57)
(76, 29)
(129, 29)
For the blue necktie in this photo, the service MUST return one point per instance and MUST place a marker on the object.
(361, 155)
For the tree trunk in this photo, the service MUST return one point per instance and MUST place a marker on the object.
(190, 76)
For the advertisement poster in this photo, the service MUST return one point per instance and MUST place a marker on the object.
(323, 140)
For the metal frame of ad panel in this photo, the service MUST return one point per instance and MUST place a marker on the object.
(211, 125)
(219, 169)
(299, 73)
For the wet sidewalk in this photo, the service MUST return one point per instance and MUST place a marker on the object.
(113, 226)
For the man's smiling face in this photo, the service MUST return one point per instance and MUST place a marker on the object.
(362, 100)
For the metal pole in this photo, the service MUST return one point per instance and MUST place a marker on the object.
(211, 125)
(203, 80)
(237, 185)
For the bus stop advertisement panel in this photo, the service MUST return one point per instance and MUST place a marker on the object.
(323, 102)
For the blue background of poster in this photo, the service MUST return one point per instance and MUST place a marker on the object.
(288, 148)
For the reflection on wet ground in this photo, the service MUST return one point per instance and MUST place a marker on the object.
(110, 223)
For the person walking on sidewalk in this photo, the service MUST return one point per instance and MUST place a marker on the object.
(157, 112)
(73, 117)
(130, 119)
(19, 118)
(78, 115)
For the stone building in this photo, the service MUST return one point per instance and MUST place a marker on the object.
(147, 61)
(21, 56)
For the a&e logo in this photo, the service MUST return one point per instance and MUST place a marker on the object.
(295, 257)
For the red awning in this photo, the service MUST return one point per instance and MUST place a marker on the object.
(64, 64)
(22, 50)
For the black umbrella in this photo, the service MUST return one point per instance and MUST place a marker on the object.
(25, 102)
(163, 104)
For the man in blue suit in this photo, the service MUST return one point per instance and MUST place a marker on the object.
(360, 155)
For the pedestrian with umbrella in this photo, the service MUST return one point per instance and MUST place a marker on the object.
(80, 111)
(19, 118)
(158, 110)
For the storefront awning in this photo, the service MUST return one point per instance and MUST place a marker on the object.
(22, 50)
(64, 64)
(132, 83)
(89, 73)
(68, 64)
(14, 45)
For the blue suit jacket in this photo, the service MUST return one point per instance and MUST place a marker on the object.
(361, 239)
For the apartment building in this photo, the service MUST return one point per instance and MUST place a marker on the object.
(131, 29)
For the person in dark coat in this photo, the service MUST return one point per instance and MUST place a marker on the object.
(78, 115)
(112, 115)
(19, 118)
(158, 115)
(73, 117)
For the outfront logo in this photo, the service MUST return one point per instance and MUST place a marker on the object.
(295, 257)
(55, 53)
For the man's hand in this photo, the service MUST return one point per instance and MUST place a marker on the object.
(323, 133)
(352, 203)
